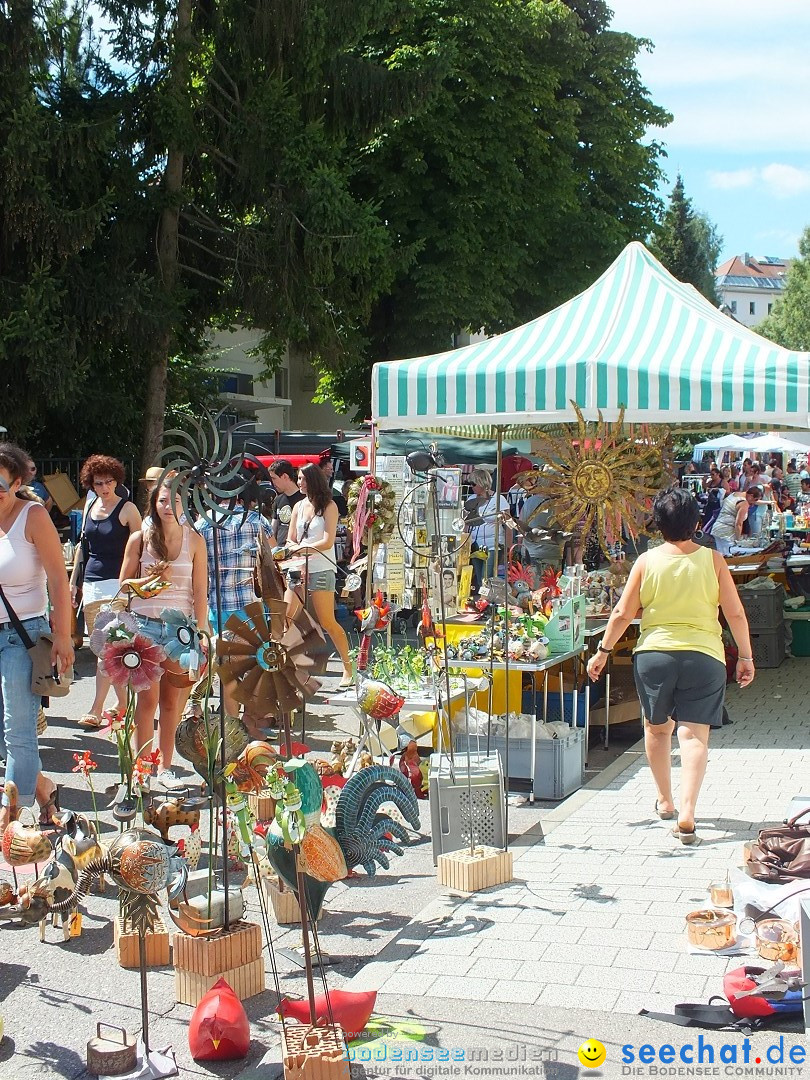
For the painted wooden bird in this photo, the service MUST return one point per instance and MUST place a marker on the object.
(22, 845)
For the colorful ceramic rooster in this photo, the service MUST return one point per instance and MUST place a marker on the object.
(375, 617)
(362, 835)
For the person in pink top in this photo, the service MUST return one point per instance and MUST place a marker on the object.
(179, 555)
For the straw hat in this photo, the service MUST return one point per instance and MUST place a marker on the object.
(153, 474)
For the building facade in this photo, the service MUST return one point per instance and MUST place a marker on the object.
(749, 287)
(283, 402)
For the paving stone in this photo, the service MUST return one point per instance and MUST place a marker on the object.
(542, 972)
(512, 950)
(594, 954)
(437, 964)
(620, 938)
(577, 997)
(652, 959)
(632, 979)
(467, 989)
(519, 992)
(690, 987)
(410, 983)
(491, 967)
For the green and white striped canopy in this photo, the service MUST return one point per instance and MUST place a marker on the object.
(637, 338)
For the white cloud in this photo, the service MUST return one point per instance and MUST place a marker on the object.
(781, 181)
(737, 178)
(785, 181)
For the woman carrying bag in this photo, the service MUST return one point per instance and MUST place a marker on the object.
(31, 569)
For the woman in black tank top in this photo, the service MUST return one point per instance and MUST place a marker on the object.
(107, 525)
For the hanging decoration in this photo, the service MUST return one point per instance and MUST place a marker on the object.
(372, 504)
(598, 476)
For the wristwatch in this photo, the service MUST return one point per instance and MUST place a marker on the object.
(601, 648)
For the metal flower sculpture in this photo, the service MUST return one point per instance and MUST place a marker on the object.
(203, 470)
(271, 662)
(112, 626)
(134, 662)
(186, 655)
(598, 475)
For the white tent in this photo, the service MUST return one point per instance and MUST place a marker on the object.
(726, 442)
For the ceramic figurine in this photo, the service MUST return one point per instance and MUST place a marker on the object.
(410, 766)
(219, 1029)
(350, 1008)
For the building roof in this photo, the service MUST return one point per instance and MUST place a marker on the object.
(745, 272)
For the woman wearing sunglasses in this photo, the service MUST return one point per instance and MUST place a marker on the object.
(32, 571)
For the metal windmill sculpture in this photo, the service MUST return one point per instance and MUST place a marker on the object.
(202, 469)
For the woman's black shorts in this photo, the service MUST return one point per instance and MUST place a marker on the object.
(686, 685)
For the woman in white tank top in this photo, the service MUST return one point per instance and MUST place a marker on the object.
(179, 554)
(312, 533)
(31, 570)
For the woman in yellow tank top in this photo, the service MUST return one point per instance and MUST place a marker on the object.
(679, 663)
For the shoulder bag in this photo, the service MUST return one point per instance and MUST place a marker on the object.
(45, 680)
(781, 854)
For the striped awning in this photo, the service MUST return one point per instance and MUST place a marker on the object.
(637, 339)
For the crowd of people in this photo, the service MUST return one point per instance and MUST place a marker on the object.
(118, 548)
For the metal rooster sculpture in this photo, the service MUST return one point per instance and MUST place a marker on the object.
(363, 835)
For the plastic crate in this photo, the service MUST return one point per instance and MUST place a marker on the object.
(768, 647)
(800, 626)
(764, 608)
(558, 763)
(466, 810)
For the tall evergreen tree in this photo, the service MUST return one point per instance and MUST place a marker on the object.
(789, 322)
(687, 243)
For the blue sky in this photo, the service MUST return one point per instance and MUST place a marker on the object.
(735, 75)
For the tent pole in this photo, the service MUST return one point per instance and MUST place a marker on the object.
(498, 484)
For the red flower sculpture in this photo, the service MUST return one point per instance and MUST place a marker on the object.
(84, 763)
(135, 663)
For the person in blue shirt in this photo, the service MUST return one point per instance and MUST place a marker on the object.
(238, 539)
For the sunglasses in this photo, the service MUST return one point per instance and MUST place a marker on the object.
(4, 485)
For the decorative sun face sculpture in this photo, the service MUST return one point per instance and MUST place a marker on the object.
(599, 474)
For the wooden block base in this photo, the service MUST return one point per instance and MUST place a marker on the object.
(314, 1053)
(482, 869)
(127, 950)
(219, 954)
(283, 900)
(245, 981)
(262, 805)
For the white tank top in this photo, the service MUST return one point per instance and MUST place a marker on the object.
(311, 532)
(180, 594)
(22, 574)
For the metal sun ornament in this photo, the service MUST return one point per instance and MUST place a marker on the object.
(600, 475)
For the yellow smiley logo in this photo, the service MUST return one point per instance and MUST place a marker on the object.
(592, 1054)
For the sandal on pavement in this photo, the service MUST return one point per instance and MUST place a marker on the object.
(49, 810)
(665, 815)
(90, 720)
(686, 836)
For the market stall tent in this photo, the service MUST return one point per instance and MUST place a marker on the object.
(636, 339)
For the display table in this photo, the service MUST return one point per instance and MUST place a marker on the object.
(418, 703)
(543, 667)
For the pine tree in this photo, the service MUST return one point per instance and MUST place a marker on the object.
(687, 243)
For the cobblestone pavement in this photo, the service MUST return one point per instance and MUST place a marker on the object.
(590, 930)
(594, 917)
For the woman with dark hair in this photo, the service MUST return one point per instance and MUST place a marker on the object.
(313, 527)
(32, 571)
(679, 663)
(179, 555)
(108, 522)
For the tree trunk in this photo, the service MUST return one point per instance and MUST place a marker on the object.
(167, 270)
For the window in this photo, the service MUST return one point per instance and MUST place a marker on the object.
(770, 308)
(281, 383)
(752, 307)
(733, 306)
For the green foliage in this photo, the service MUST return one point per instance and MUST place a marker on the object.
(688, 244)
(521, 176)
(789, 322)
